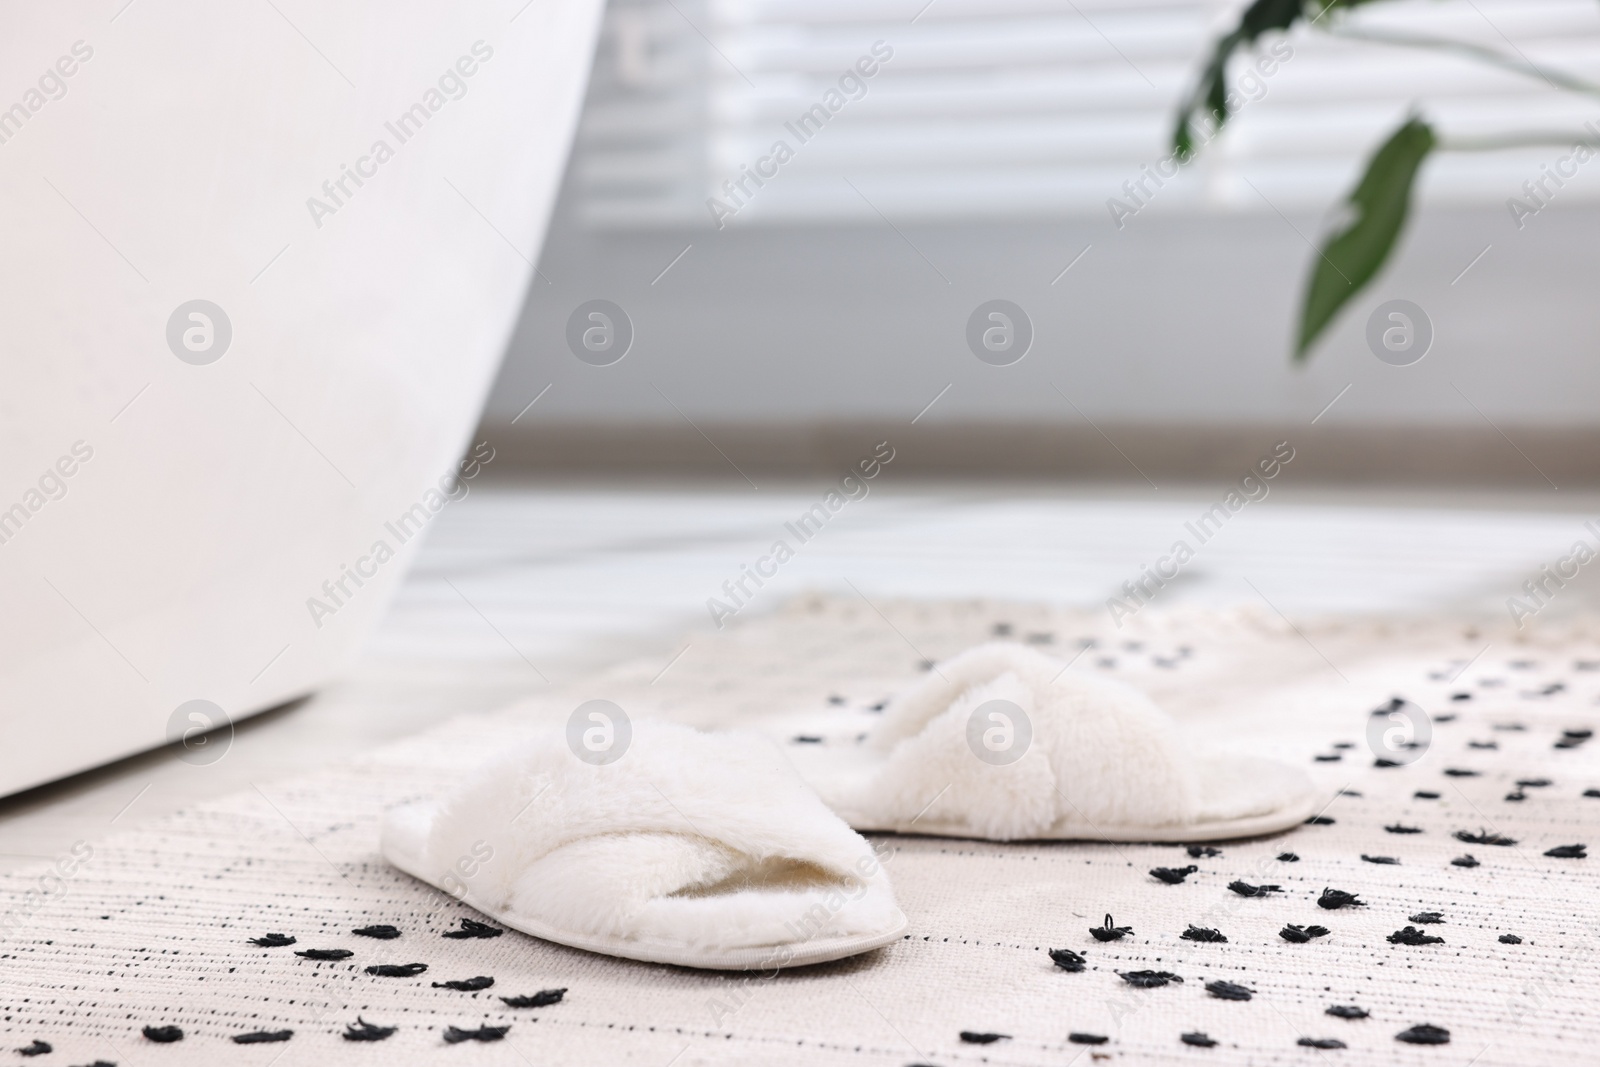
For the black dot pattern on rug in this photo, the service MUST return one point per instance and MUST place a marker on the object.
(1198, 1039)
(977, 1037)
(542, 999)
(1148, 979)
(382, 932)
(471, 928)
(36, 1048)
(1109, 931)
(272, 940)
(1347, 1011)
(163, 1035)
(1204, 934)
(396, 970)
(361, 1030)
(1574, 738)
(1079, 1038)
(1334, 899)
(1229, 990)
(1321, 1042)
(454, 1035)
(262, 1037)
(324, 953)
(1424, 1034)
(1259, 890)
(1068, 960)
(1410, 935)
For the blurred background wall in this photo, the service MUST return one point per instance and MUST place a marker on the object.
(1005, 149)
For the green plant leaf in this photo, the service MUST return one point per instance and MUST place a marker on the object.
(1352, 255)
(1211, 92)
(1209, 97)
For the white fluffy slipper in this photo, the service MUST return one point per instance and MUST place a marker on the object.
(702, 850)
(999, 743)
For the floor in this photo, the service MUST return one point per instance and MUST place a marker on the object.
(521, 585)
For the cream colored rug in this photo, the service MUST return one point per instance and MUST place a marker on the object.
(153, 928)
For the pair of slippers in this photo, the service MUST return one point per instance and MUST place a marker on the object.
(718, 851)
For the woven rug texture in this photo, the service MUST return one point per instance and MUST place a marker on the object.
(153, 927)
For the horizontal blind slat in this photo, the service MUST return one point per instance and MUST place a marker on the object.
(1041, 107)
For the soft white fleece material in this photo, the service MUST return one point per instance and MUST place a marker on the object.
(705, 840)
(1102, 754)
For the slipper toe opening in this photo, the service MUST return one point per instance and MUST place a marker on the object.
(696, 895)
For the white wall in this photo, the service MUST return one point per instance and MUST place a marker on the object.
(1173, 319)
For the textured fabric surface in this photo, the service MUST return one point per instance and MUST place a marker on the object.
(617, 850)
(152, 927)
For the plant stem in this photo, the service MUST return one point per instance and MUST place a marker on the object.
(1554, 78)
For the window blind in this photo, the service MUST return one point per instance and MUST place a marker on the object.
(1041, 108)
